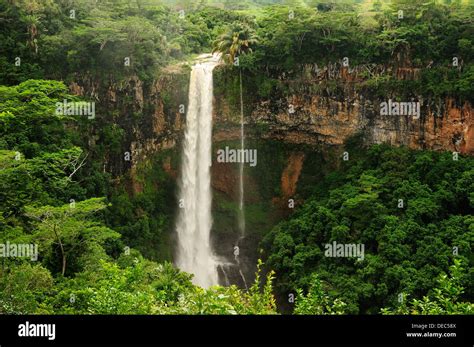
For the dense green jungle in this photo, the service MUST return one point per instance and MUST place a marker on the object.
(96, 195)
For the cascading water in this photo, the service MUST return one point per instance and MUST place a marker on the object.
(241, 168)
(194, 220)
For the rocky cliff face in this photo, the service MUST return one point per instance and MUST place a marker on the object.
(146, 117)
(312, 114)
(309, 119)
(152, 115)
(319, 120)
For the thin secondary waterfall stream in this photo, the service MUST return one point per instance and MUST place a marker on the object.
(194, 219)
(241, 216)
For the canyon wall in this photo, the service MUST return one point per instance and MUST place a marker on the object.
(151, 115)
(312, 114)
(299, 136)
(146, 118)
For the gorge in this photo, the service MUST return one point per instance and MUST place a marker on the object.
(362, 125)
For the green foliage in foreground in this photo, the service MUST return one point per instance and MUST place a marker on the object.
(317, 301)
(444, 299)
(132, 285)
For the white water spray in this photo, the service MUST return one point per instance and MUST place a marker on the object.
(194, 220)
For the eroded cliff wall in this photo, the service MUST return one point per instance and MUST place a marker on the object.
(327, 108)
(299, 134)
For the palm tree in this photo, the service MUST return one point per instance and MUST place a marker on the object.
(32, 21)
(237, 40)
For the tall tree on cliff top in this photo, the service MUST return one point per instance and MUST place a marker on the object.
(237, 40)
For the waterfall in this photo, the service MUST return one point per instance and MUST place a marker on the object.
(241, 168)
(194, 221)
